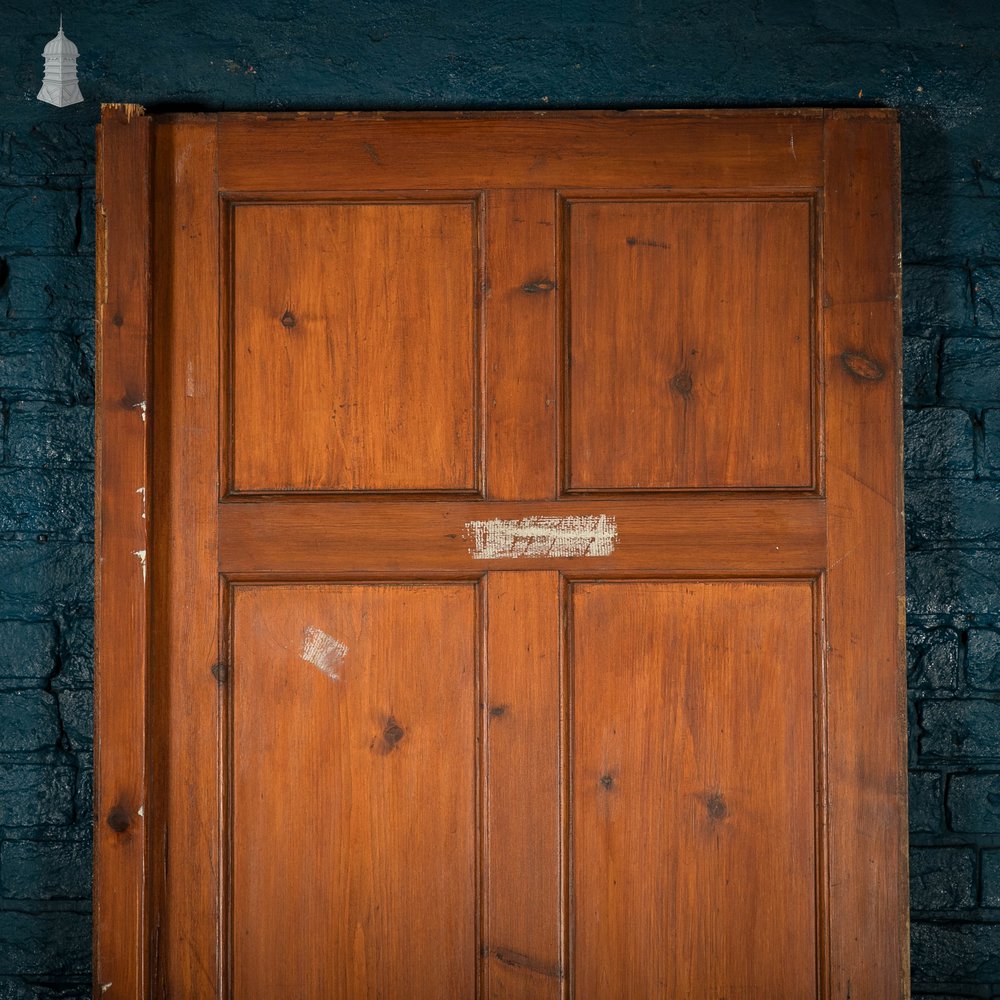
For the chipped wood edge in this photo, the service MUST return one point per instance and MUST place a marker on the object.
(121, 607)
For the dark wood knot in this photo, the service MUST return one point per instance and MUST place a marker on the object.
(119, 819)
(862, 367)
(288, 319)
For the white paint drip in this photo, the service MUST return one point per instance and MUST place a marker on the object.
(141, 407)
(142, 493)
(105, 987)
(323, 651)
(140, 554)
(541, 537)
(140, 811)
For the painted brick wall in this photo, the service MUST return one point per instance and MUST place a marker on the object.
(937, 60)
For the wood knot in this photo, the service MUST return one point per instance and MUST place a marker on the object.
(288, 319)
(607, 782)
(220, 672)
(392, 734)
(118, 319)
(542, 285)
(862, 367)
(682, 384)
(498, 711)
(716, 806)
(119, 820)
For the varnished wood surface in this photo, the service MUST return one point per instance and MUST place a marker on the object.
(553, 150)
(865, 592)
(355, 346)
(354, 792)
(775, 601)
(690, 344)
(122, 550)
(313, 537)
(693, 766)
(186, 856)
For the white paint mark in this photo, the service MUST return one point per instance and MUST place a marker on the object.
(323, 651)
(142, 493)
(105, 987)
(141, 407)
(541, 537)
(140, 554)
(189, 380)
(791, 141)
(141, 811)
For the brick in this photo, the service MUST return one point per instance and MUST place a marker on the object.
(952, 512)
(954, 952)
(986, 290)
(28, 721)
(952, 582)
(970, 369)
(76, 655)
(37, 363)
(53, 150)
(936, 296)
(937, 441)
(38, 219)
(50, 288)
(18, 989)
(920, 370)
(36, 500)
(50, 942)
(83, 798)
(973, 802)
(925, 801)
(40, 435)
(27, 649)
(991, 432)
(37, 574)
(77, 708)
(959, 729)
(955, 224)
(88, 216)
(35, 794)
(45, 869)
(942, 878)
(932, 659)
(982, 666)
(990, 864)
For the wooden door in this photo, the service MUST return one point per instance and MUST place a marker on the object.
(499, 539)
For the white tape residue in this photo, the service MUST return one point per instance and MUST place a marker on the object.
(543, 537)
(323, 651)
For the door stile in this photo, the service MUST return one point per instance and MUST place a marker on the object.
(186, 589)
(864, 586)
(122, 550)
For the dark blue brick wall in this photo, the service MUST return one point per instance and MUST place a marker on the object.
(937, 60)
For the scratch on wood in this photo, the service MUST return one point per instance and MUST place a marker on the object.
(189, 380)
(541, 537)
(323, 651)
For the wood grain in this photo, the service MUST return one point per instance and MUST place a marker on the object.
(354, 346)
(524, 882)
(520, 322)
(869, 940)
(521, 150)
(354, 792)
(122, 553)
(689, 344)
(186, 856)
(689, 534)
(693, 790)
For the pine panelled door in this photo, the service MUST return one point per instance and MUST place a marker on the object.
(499, 548)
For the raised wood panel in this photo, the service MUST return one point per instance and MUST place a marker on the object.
(689, 345)
(693, 790)
(353, 811)
(354, 350)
